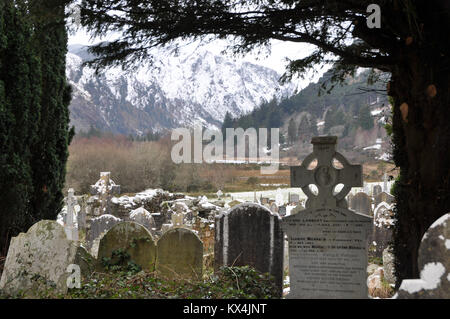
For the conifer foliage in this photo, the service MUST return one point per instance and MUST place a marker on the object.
(34, 119)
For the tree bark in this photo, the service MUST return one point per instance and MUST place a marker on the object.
(421, 137)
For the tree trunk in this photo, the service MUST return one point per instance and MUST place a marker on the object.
(421, 137)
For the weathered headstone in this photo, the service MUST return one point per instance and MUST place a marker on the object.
(71, 230)
(384, 197)
(273, 208)
(250, 234)
(97, 228)
(41, 256)
(132, 238)
(327, 242)
(294, 198)
(282, 211)
(376, 189)
(389, 265)
(180, 254)
(105, 188)
(144, 218)
(383, 221)
(361, 203)
(434, 262)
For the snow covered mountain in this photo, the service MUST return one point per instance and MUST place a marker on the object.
(177, 91)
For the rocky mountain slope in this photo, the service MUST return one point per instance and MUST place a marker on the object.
(177, 91)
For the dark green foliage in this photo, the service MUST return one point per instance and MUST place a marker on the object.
(365, 119)
(228, 283)
(19, 107)
(34, 116)
(292, 131)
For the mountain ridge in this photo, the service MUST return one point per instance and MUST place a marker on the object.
(176, 91)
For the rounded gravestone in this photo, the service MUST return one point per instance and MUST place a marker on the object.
(41, 256)
(144, 218)
(133, 238)
(180, 254)
(250, 235)
(434, 264)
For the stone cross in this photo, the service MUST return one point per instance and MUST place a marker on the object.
(327, 242)
(71, 230)
(385, 183)
(325, 176)
(105, 188)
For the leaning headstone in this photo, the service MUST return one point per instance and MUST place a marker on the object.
(144, 218)
(250, 234)
(434, 262)
(41, 257)
(132, 238)
(327, 242)
(180, 254)
(361, 203)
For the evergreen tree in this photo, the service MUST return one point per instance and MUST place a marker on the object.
(304, 129)
(365, 119)
(292, 131)
(51, 152)
(227, 123)
(19, 110)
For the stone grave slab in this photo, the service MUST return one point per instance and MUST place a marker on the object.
(41, 257)
(180, 254)
(133, 238)
(250, 234)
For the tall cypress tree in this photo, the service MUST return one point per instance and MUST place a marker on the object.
(51, 153)
(20, 93)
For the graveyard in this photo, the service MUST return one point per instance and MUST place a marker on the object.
(327, 241)
(285, 150)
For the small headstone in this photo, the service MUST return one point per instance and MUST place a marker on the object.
(294, 199)
(144, 218)
(177, 219)
(384, 197)
(376, 190)
(434, 262)
(219, 194)
(180, 254)
(71, 230)
(388, 265)
(282, 211)
(273, 208)
(250, 234)
(105, 188)
(383, 221)
(327, 242)
(43, 253)
(98, 227)
(361, 203)
(133, 238)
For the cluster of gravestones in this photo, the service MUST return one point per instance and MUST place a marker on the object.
(380, 208)
(327, 242)
(89, 220)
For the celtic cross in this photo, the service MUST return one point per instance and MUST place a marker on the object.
(325, 175)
